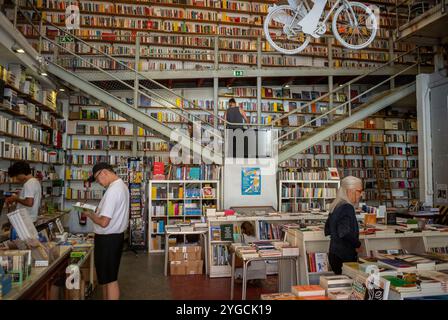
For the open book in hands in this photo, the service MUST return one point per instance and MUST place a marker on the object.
(79, 206)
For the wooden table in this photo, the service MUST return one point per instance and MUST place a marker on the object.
(38, 285)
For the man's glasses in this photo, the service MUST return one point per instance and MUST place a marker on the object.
(96, 176)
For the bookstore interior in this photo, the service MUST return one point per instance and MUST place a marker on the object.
(223, 150)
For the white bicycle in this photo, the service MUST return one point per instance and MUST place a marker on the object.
(289, 28)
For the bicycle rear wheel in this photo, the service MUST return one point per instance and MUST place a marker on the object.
(282, 31)
(355, 28)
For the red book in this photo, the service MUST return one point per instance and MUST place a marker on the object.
(108, 36)
(158, 171)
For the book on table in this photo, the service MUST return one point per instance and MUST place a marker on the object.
(308, 290)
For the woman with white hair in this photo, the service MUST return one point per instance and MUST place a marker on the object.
(342, 226)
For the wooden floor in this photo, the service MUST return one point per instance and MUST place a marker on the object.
(141, 278)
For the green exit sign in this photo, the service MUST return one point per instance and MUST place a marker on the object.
(238, 73)
(66, 39)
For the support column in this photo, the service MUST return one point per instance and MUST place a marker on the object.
(136, 96)
(391, 58)
(426, 191)
(330, 102)
(215, 101)
(259, 84)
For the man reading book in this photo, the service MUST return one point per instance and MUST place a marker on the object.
(31, 195)
(110, 222)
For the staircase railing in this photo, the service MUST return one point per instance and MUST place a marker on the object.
(345, 108)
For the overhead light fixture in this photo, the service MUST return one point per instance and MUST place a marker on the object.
(61, 89)
(229, 87)
(286, 85)
(43, 73)
(17, 49)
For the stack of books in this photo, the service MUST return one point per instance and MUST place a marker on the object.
(247, 252)
(309, 292)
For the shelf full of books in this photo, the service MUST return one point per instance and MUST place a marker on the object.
(174, 202)
(307, 195)
(383, 146)
(183, 36)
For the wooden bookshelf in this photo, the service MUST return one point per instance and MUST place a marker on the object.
(172, 19)
(166, 194)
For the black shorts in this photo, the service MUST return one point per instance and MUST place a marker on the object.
(107, 253)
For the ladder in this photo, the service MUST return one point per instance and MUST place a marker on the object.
(382, 174)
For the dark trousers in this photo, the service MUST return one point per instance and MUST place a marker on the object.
(336, 262)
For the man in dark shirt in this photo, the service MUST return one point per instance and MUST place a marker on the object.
(342, 226)
(235, 115)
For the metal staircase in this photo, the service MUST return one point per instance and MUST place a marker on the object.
(342, 115)
(64, 63)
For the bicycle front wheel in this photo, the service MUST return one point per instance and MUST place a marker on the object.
(355, 25)
(282, 31)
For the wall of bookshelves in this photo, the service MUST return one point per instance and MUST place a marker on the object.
(362, 150)
(185, 35)
(178, 202)
(31, 129)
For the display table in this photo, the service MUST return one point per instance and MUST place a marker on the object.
(315, 241)
(87, 277)
(45, 219)
(246, 263)
(169, 234)
(275, 217)
(38, 284)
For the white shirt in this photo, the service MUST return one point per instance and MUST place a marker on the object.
(31, 189)
(114, 205)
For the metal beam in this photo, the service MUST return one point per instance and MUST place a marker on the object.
(127, 110)
(366, 110)
(249, 73)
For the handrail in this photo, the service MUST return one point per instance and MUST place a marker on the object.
(118, 62)
(330, 93)
(347, 102)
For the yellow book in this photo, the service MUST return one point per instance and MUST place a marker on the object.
(269, 119)
(181, 192)
(67, 174)
(69, 193)
(141, 132)
(179, 102)
(224, 4)
(160, 116)
(275, 107)
(75, 144)
(154, 193)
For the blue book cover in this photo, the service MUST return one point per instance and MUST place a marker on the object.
(195, 174)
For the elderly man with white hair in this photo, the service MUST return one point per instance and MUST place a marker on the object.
(342, 226)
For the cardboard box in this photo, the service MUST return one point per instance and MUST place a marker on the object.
(194, 267)
(190, 253)
(178, 268)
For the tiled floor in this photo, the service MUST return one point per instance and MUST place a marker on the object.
(141, 277)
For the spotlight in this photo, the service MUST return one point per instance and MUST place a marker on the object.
(43, 73)
(286, 85)
(61, 89)
(17, 49)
